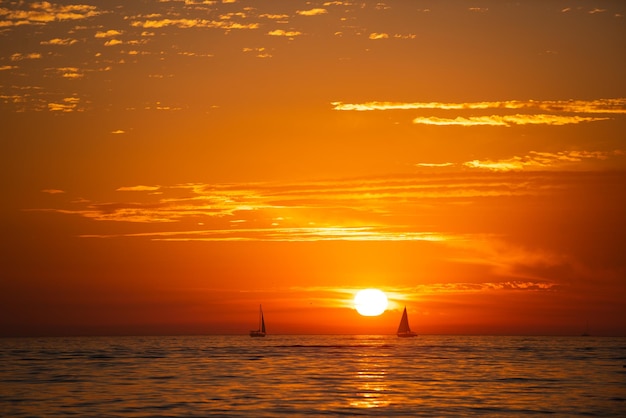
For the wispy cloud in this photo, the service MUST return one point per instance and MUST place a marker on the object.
(312, 12)
(536, 160)
(29, 56)
(608, 106)
(37, 13)
(561, 112)
(283, 17)
(543, 160)
(279, 234)
(427, 291)
(343, 296)
(108, 34)
(59, 41)
(69, 104)
(67, 72)
(435, 164)
(281, 32)
(506, 120)
(139, 188)
(113, 42)
(193, 23)
(353, 209)
(259, 52)
(376, 36)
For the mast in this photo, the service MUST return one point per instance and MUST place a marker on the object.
(260, 331)
(261, 319)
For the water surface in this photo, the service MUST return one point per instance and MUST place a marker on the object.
(312, 375)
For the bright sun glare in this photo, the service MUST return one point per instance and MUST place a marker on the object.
(370, 302)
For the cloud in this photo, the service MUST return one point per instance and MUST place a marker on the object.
(280, 32)
(536, 160)
(193, 23)
(362, 209)
(113, 42)
(543, 160)
(259, 52)
(59, 41)
(400, 36)
(608, 106)
(278, 234)
(467, 287)
(274, 16)
(68, 72)
(563, 112)
(312, 12)
(30, 56)
(44, 12)
(507, 120)
(162, 107)
(53, 191)
(108, 34)
(435, 164)
(65, 72)
(69, 104)
(375, 36)
(139, 188)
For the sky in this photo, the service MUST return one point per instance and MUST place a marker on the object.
(169, 165)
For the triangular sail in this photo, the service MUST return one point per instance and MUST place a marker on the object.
(403, 329)
(262, 323)
(404, 323)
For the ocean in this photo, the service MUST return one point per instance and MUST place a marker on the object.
(312, 375)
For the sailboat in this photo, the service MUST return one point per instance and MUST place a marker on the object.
(585, 332)
(261, 331)
(404, 330)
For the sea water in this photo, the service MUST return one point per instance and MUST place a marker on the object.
(283, 375)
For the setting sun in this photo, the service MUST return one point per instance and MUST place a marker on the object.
(370, 302)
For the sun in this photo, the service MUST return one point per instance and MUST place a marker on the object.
(370, 302)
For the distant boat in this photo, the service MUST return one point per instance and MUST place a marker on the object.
(404, 330)
(585, 332)
(261, 331)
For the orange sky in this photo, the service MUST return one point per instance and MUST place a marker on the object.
(170, 165)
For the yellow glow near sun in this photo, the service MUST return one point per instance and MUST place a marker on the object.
(370, 302)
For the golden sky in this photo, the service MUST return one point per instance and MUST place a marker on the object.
(168, 165)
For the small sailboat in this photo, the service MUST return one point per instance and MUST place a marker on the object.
(585, 332)
(261, 331)
(404, 330)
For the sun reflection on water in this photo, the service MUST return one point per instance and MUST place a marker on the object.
(371, 385)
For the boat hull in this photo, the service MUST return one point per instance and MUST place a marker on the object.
(257, 334)
(407, 334)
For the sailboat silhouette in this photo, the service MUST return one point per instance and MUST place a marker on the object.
(403, 329)
(261, 331)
